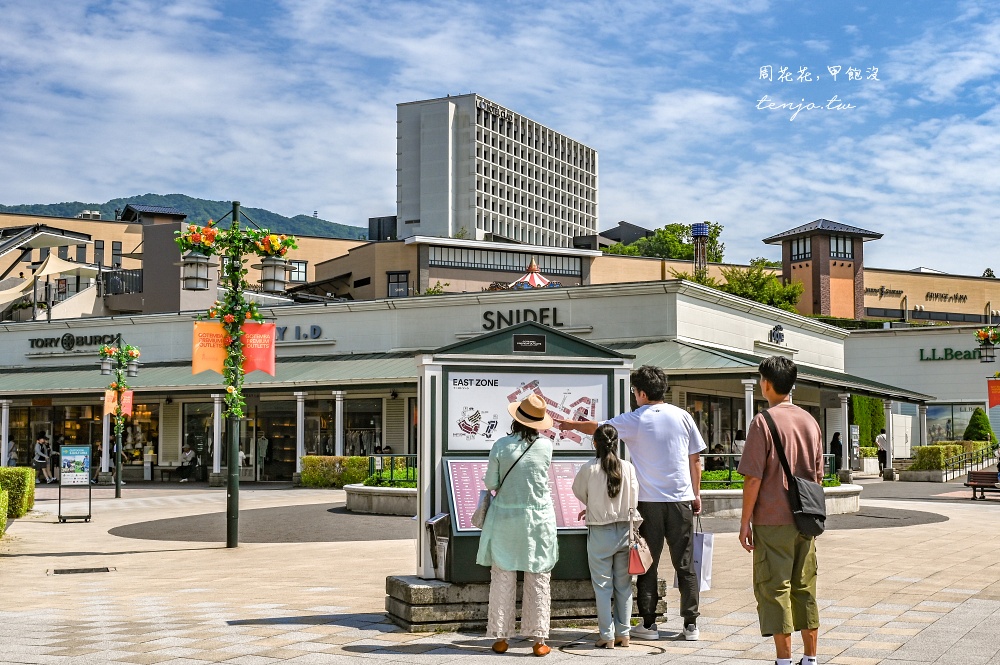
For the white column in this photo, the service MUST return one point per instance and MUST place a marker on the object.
(4, 431)
(922, 425)
(106, 446)
(300, 430)
(338, 419)
(887, 405)
(217, 434)
(748, 385)
(845, 431)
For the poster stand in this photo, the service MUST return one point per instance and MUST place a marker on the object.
(74, 471)
(465, 389)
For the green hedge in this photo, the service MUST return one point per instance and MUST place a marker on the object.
(867, 451)
(19, 481)
(3, 512)
(868, 413)
(376, 480)
(710, 481)
(931, 458)
(332, 471)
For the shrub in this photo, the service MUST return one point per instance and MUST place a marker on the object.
(979, 428)
(19, 481)
(867, 451)
(931, 458)
(712, 480)
(376, 480)
(868, 413)
(3, 512)
(333, 471)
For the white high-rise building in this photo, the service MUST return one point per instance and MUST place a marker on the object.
(469, 168)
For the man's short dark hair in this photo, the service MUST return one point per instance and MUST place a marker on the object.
(781, 372)
(650, 380)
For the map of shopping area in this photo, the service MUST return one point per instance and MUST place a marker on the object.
(567, 408)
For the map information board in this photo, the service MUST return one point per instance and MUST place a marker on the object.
(466, 481)
(477, 406)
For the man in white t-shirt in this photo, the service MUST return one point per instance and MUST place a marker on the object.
(883, 452)
(665, 445)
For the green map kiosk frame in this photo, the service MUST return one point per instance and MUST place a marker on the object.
(464, 391)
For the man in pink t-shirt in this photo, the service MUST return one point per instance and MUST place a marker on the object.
(784, 561)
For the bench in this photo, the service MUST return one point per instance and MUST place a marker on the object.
(983, 481)
(169, 472)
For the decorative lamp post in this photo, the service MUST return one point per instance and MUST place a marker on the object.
(987, 338)
(232, 311)
(123, 360)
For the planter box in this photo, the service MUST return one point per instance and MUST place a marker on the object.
(869, 466)
(382, 500)
(729, 503)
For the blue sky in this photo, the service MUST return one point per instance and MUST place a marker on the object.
(290, 105)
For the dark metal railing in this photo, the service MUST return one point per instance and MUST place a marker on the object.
(116, 282)
(970, 461)
(393, 468)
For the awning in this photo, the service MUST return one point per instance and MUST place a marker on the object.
(53, 265)
(296, 374)
(696, 360)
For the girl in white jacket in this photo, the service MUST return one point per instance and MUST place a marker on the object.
(608, 487)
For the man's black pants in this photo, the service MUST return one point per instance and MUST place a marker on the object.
(673, 522)
(883, 459)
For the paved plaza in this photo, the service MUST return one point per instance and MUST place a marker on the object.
(915, 578)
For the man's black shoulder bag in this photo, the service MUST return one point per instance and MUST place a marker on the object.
(805, 496)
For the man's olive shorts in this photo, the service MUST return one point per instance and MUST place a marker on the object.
(784, 579)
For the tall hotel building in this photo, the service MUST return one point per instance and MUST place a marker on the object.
(469, 168)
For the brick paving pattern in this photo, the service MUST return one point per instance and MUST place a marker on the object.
(922, 593)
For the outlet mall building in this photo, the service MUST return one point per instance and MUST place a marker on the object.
(346, 377)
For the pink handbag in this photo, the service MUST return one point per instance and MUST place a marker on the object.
(639, 556)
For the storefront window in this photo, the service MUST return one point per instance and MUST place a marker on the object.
(275, 442)
(362, 426)
(198, 435)
(947, 422)
(320, 427)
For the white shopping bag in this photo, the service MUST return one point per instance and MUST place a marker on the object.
(703, 543)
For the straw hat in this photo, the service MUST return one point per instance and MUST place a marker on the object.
(531, 412)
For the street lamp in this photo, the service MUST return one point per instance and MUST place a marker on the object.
(233, 310)
(123, 360)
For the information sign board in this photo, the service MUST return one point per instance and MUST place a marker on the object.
(74, 465)
(477, 405)
(466, 481)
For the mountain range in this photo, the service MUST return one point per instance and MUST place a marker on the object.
(198, 212)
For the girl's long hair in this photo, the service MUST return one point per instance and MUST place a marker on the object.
(606, 443)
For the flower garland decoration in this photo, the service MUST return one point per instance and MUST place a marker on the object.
(987, 335)
(120, 358)
(197, 238)
(234, 244)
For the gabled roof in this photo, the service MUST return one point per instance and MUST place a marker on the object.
(132, 211)
(823, 226)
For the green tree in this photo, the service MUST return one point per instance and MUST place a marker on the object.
(673, 241)
(704, 280)
(758, 282)
(979, 428)
(868, 413)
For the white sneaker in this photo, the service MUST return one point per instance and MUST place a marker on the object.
(184, 480)
(640, 632)
(691, 632)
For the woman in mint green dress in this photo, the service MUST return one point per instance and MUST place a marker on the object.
(519, 533)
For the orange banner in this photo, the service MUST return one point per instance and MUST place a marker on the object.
(208, 351)
(993, 388)
(127, 403)
(258, 347)
(110, 402)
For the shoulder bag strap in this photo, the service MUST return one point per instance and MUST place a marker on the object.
(512, 467)
(631, 511)
(779, 448)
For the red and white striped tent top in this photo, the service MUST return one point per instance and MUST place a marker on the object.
(533, 278)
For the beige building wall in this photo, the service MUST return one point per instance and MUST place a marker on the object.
(372, 262)
(313, 250)
(934, 292)
(110, 231)
(842, 289)
(802, 273)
